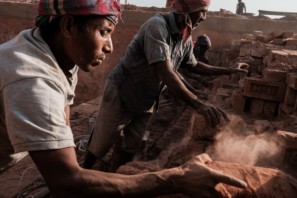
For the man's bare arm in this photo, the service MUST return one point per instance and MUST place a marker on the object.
(205, 69)
(66, 178)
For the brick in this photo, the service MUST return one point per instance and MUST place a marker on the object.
(283, 59)
(267, 90)
(290, 42)
(285, 110)
(260, 38)
(278, 41)
(248, 36)
(230, 86)
(238, 102)
(268, 38)
(292, 80)
(256, 106)
(241, 83)
(201, 129)
(223, 92)
(277, 34)
(274, 75)
(245, 50)
(258, 51)
(269, 108)
(289, 138)
(245, 41)
(288, 35)
(290, 96)
(258, 33)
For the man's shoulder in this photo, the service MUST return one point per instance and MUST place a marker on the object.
(159, 18)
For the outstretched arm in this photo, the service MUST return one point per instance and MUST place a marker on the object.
(197, 92)
(66, 178)
(205, 69)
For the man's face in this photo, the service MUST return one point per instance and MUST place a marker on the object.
(197, 17)
(90, 46)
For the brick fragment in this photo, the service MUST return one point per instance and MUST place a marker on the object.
(278, 41)
(291, 42)
(274, 75)
(277, 34)
(288, 34)
(201, 129)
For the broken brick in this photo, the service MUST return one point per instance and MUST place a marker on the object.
(274, 75)
(291, 42)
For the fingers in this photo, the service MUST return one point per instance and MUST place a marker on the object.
(224, 114)
(221, 191)
(203, 158)
(230, 180)
(216, 116)
(213, 115)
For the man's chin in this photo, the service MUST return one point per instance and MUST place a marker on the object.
(91, 68)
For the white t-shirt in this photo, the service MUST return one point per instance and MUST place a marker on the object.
(33, 94)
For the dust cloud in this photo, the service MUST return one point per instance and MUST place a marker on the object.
(238, 143)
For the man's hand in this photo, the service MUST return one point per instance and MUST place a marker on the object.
(240, 68)
(213, 115)
(198, 180)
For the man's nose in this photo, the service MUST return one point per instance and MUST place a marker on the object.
(108, 46)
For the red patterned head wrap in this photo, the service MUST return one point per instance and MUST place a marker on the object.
(186, 6)
(109, 8)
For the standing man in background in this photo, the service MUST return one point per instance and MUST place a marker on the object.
(240, 7)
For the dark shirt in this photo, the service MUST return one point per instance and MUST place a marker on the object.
(135, 76)
(240, 8)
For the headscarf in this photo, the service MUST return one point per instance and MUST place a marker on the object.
(48, 9)
(187, 6)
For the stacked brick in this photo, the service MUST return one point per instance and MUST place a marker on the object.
(270, 88)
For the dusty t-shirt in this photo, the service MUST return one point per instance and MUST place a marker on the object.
(135, 76)
(33, 94)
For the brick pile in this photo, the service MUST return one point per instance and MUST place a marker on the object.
(270, 88)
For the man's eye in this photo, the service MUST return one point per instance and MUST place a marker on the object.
(103, 32)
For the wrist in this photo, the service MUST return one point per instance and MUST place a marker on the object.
(195, 103)
(175, 178)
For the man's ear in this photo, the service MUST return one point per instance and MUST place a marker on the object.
(66, 25)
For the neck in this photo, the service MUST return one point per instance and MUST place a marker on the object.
(54, 43)
(180, 22)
